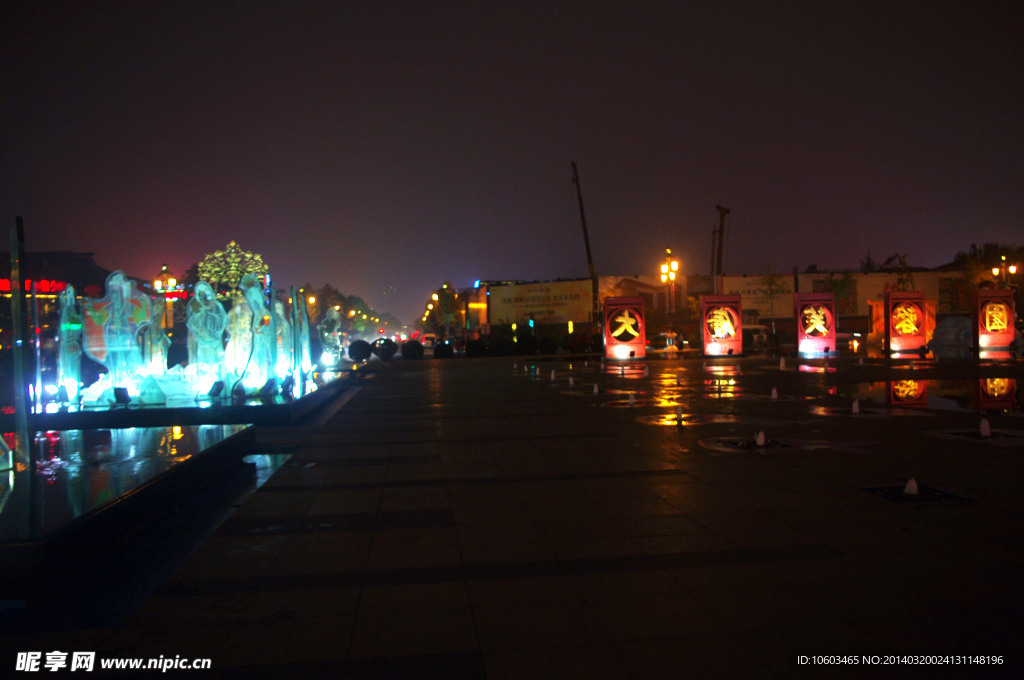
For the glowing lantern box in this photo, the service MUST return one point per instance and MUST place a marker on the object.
(996, 394)
(624, 334)
(722, 325)
(815, 315)
(994, 316)
(906, 327)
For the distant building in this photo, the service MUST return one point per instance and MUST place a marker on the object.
(53, 270)
(496, 303)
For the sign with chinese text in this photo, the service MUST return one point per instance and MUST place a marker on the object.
(624, 333)
(722, 324)
(815, 315)
(546, 302)
(994, 316)
(906, 328)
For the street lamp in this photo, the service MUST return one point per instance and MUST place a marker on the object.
(164, 280)
(668, 276)
(164, 283)
(1004, 271)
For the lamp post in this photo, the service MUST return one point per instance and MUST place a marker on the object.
(164, 283)
(1004, 272)
(668, 276)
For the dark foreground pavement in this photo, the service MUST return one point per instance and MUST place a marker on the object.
(482, 519)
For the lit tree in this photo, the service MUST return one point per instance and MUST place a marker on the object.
(444, 310)
(224, 269)
(357, 315)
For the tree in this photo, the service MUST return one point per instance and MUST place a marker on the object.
(444, 310)
(844, 289)
(224, 269)
(773, 285)
(356, 314)
(977, 264)
(693, 303)
(191, 277)
(867, 265)
(897, 264)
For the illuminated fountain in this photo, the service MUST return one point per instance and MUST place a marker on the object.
(112, 451)
(87, 448)
(253, 349)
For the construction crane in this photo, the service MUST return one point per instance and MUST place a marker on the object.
(717, 238)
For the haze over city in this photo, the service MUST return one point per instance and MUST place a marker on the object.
(386, 147)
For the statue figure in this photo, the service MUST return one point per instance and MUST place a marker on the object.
(285, 344)
(263, 363)
(110, 327)
(330, 335)
(300, 333)
(155, 343)
(69, 359)
(206, 323)
(239, 347)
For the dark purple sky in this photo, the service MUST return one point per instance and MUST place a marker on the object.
(386, 147)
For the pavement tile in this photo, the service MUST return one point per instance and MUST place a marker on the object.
(409, 631)
(528, 624)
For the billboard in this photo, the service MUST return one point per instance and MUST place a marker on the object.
(545, 302)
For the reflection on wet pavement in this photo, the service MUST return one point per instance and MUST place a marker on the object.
(669, 388)
(77, 471)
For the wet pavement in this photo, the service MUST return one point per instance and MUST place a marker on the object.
(502, 518)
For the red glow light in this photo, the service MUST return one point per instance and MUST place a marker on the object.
(42, 286)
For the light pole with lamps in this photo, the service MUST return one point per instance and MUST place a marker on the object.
(668, 276)
(164, 284)
(1005, 271)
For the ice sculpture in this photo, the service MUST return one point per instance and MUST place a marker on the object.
(155, 343)
(263, 351)
(285, 344)
(69, 337)
(239, 347)
(300, 334)
(123, 332)
(206, 323)
(110, 326)
(330, 338)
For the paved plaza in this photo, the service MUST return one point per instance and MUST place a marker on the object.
(555, 518)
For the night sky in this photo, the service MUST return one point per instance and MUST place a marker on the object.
(385, 147)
